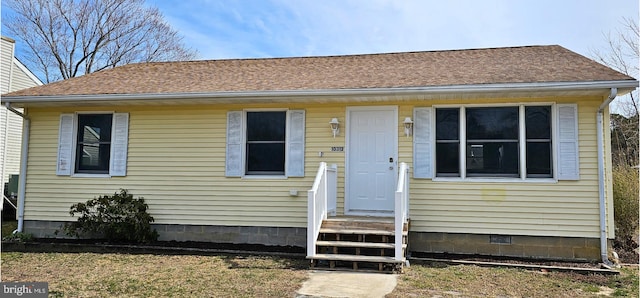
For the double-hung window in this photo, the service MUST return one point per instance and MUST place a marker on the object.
(93, 143)
(266, 143)
(538, 137)
(448, 142)
(498, 141)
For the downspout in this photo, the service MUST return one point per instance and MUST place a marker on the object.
(601, 177)
(22, 186)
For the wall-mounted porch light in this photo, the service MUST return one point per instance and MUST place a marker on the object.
(335, 127)
(408, 126)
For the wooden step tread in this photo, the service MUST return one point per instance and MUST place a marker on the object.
(355, 258)
(361, 219)
(360, 231)
(357, 244)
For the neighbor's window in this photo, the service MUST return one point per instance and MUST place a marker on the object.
(492, 140)
(265, 151)
(93, 146)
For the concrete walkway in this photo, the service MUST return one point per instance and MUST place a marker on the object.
(347, 284)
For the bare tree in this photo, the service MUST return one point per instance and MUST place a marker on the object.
(68, 38)
(622, 54)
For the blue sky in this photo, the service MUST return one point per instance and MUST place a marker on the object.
(283, 28)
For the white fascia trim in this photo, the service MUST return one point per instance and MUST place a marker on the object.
(256, 95)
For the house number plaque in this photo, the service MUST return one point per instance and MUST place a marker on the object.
(337, 149)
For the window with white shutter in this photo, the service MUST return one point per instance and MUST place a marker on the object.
(295, 163)
(523, 141)
(568, 159)
(65, 145)
(265, 143)
(93, 144)
(422, 131)
(233, 158)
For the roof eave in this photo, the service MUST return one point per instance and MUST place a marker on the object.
(328, 95)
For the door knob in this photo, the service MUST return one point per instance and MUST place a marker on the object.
(390, 159)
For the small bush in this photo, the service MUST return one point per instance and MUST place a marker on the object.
(19, 237)
(117, 218)
(625, 204)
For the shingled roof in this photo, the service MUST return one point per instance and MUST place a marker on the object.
(531, 64)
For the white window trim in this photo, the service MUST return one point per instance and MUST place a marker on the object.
(522, 145)
(75, 146)
(244, 146)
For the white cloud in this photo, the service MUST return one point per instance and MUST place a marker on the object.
(225, 29)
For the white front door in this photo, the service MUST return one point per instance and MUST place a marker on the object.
(372, 153)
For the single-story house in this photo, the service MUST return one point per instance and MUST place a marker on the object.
(497, 151)
(14, 76)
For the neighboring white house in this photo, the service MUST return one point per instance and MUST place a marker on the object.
(14, 76)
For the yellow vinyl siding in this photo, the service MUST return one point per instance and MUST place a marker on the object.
(608, 166)
(176, 160)
(565, 208)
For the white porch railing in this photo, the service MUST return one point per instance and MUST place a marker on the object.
(401, 208)
(325, 189)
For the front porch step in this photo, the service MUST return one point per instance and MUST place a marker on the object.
(359, 232)
(360, 223)
(357, 258)
(359, 243)
(353, 244)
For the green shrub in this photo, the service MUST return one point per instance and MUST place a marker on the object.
(19, 237)
(118, 218)
(625, 204)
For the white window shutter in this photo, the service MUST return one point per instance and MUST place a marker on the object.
(119, 144)
(233, 167)
(568, 159)
(65, 145)
(295, 157)
(422, 143)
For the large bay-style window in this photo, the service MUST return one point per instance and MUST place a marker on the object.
(265, 143)
(514, 141)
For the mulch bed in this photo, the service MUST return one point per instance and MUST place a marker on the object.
(158, 247)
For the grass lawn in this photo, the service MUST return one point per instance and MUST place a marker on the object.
(145, 275)
(125, 275)
(430, 280)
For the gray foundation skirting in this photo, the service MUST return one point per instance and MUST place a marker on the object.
(540, 247)
(275, 236)
(537, 247)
